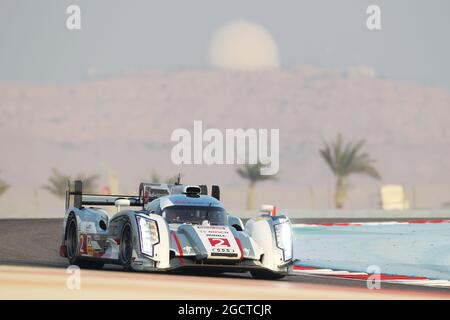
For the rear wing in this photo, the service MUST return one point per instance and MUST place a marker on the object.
(79, 199)
(148, 192)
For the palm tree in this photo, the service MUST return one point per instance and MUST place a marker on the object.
(345, 161)
(57, 183)
(252, 173)
(3, 187)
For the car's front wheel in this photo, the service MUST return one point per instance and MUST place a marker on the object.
(126, 247)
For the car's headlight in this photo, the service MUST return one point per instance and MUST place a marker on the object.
(283, 235)
(149, 235)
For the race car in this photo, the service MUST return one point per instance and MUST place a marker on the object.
(172, 227)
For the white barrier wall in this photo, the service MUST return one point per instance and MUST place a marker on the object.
(39, 203)
(353, 214)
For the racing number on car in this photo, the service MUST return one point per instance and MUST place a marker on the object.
(219, 242)
(82, 244)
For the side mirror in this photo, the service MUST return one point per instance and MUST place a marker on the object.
(235, 222)
(268, 209)
(121, 203)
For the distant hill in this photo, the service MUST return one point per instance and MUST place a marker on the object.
(124, 123)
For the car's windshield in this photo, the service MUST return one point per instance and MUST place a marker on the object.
(195, 214)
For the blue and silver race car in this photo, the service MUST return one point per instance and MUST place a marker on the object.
(172, 227)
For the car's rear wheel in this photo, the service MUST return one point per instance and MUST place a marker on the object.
(72, 240)
(126, 247)
(72, 247)
(266, 275)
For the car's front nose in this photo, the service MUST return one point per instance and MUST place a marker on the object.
(206, 243)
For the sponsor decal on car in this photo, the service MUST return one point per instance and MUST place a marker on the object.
(90, 249)
(87, 227)
(219, 241)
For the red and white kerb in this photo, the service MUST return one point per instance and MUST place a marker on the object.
(363, 276)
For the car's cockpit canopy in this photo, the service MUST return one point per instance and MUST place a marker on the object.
(195, 215)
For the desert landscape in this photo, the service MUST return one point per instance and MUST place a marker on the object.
(121, 124)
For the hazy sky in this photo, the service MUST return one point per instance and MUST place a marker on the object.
(36, 46)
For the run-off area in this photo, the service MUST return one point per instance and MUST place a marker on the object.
(420, 250)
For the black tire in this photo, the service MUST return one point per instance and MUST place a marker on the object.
(126, 247)
(266, 275)
(72, 240)
(72, 247)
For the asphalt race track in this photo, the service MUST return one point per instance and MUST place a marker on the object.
(30, 268)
